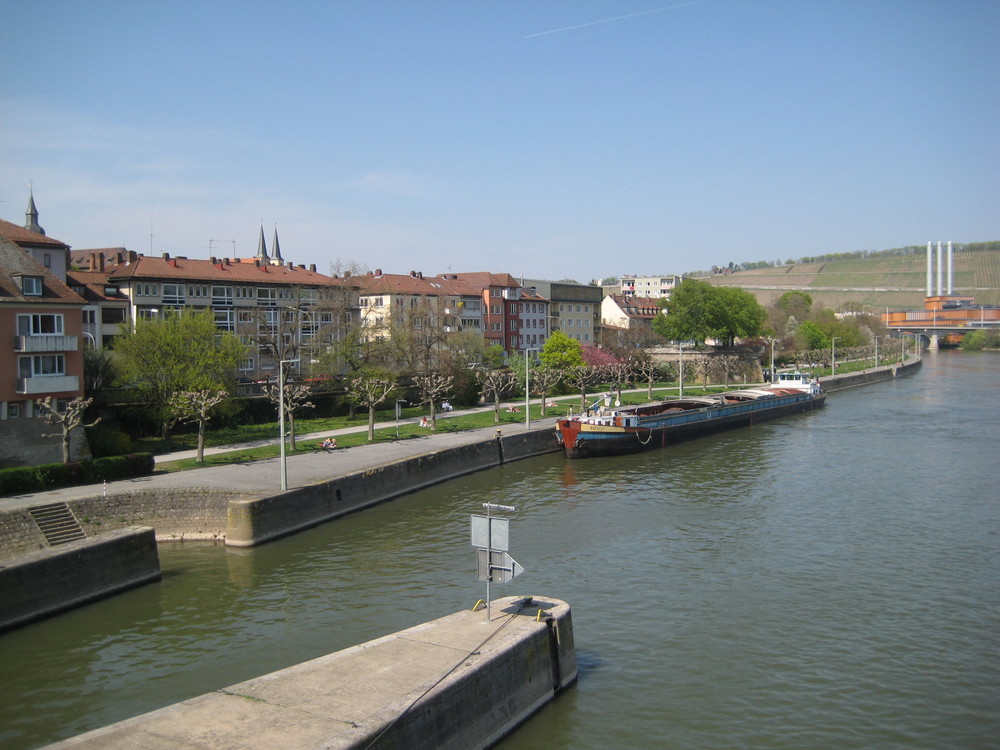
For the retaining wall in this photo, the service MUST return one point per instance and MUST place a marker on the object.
(48, 581)
(875, 375)
(454, 683)
(255, 520)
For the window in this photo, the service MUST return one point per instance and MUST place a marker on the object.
(197, 290)
(31, 286)
(222, 295)
(47, 260)
(40, 325)
(41, 365)
(265, 296)
(13, 410)
(173, 294)
(112, 314)
(513, 325)
(247, 365)
(244, 292)
(225, 320)
(147, 290)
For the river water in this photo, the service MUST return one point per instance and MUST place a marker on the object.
(828, 580)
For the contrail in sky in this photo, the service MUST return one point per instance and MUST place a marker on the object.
(616, 18)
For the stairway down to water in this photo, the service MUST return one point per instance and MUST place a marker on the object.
(57, 523)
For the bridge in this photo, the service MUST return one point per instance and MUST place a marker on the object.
(948, 316)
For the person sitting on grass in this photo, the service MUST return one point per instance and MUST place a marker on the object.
(329, 444)
(424, 422)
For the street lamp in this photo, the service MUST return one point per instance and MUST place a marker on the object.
(527, 388)
(281, 417)
(876, 351)
(91, 337)
(680, 369)
(833, 355)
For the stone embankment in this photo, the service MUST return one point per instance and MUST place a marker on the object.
(456, 682)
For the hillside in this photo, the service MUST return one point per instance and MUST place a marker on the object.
(877, 281)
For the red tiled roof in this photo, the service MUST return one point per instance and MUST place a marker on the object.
(400, 283)
(14, 260)
(225, 270)
(21, 236)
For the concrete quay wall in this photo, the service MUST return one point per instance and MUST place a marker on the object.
(865, 377)
(255, 520)
(55, 579)
(457, 682)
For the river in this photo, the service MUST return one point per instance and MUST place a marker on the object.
(825, 580)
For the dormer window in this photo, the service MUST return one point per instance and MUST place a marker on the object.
(31, 286)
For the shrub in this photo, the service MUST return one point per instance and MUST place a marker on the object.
(105, 441)
(46, 476)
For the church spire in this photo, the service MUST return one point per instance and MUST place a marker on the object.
(262, 248)
(276, 250)
(31, 215)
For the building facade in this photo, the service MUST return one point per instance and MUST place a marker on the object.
(42, 319)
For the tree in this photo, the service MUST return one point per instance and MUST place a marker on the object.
(496, 384)
(196, 406)
(560, 352)
(597, 357)
(68, 420)
(432, 388)
(543, 380)
(183, 351)
(369, 389)
(296, 398)
(699, 311)
(810, 336)
(99, 370)
(581, 378)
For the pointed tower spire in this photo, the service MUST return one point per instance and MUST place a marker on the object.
(262, 247)
(276, 249)
(31, 215)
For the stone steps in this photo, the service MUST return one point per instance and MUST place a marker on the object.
(57, 523)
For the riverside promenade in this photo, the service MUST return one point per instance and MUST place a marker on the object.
(303, 468)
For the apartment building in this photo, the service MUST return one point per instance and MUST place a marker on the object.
(280, 310)
(574, 309)
(42, 319)
(501, 296)
(655, 287)
(628, 312)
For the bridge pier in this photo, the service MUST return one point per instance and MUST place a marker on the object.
(932, 344)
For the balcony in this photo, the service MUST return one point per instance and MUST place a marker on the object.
(45, 384)
(45, 343)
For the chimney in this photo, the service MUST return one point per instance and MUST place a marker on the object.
(312, 267)
(212, 260)
(166, 256)
(413, 274)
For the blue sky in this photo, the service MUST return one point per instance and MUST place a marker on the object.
(546, 139)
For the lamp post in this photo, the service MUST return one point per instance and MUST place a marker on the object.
(773, 379)
(90, 336)
(833, 355)
(527, 388)
(876, 351)
(680, 369)
(281, 417)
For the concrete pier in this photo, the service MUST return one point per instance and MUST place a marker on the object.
(456, 682)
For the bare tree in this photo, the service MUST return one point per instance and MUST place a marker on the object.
(296, 399)
(496, 384)
(68, 420)
(431, 388)
(543, 380)
(196, 406)
(582, 377)
(369, 390)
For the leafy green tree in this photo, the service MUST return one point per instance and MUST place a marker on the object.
(561, 352)
(698, 310)
(183, 351)
(811, 336)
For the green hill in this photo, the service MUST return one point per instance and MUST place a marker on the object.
(895, 279)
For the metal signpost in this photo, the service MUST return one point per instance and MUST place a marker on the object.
(492, 537)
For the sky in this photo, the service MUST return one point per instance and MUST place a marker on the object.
(542, 138)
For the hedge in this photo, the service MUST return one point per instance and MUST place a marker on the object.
(43, 477)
